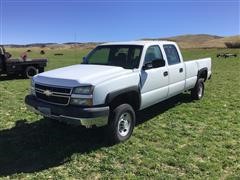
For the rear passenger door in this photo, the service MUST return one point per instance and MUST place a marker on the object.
(176, 70)
(154, 81)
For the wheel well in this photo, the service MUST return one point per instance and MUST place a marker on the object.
(36, 66)
(203, 74)
(132, 98)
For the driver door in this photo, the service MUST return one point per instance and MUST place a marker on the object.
(154, 81)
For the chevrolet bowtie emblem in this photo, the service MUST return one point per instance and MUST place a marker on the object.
(47, 93)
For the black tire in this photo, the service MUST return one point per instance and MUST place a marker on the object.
(30, 71)
(198, 91)
(115, 128)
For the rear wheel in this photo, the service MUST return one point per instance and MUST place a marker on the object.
(30, 71)
(121, 123)
(198, 91)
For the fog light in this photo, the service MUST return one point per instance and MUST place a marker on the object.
(81, 101)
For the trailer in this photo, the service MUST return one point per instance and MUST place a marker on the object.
(226, 55)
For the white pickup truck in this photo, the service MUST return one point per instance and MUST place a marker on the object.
(114, 81)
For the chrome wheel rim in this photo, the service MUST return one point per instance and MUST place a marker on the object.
(124, 124)
(200, 90)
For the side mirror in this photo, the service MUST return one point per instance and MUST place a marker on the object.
(158, 63)
(154, 64)
(147, 66)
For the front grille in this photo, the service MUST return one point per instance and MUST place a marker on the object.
(53, 89)
(54, 95)
(53, 99)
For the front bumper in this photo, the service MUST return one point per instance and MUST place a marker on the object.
(88, 117)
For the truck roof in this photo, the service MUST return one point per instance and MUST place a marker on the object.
(142, 43)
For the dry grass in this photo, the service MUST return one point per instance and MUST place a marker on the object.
(184, 41)
(220, 43)
(202, 41)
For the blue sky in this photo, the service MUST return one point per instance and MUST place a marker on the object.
(29, 21)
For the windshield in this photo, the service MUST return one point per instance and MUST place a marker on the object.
(126, 56)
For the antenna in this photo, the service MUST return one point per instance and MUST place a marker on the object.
(74, 45)
(1, 21)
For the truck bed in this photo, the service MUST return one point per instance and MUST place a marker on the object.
(18, 66)
(203, 63)
(192, 68)
(30, 61)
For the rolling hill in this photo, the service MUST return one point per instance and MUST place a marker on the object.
(201, 40)
(184, 41)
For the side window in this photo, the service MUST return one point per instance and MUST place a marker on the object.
(152, 53)
(172, 54)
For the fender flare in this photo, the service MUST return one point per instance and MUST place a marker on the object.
(201, 71)
(112, 95)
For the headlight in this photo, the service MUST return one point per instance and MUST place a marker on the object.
(82, 101)
(85, 90)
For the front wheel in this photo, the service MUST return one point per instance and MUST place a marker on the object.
(121, 123)
(198, 91)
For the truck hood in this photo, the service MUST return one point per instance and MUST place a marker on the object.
(81, 74)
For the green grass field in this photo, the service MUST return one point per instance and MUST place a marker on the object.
(178, 138)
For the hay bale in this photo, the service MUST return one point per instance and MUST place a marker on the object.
(42, 52)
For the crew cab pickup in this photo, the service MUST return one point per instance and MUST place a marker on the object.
(27, 68)
(114, 81)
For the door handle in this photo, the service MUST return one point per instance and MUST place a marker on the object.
(181, 70)
(165, 73)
